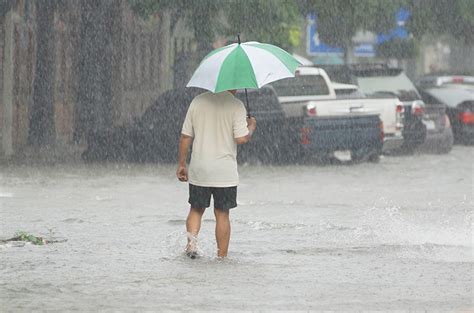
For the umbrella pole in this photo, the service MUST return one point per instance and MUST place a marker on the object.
(246, 95)
(247, 102)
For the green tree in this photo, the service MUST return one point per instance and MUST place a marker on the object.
(274, 21)
(277, 22)
(202, 16)
(339, 20)
(398, 48)
(442, 17)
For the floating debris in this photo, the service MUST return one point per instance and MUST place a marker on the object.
(26, 237)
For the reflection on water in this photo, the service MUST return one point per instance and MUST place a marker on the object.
(394, 235)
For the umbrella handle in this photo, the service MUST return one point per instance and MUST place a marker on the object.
(247, 104)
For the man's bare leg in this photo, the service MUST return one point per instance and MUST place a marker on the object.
(222, 231)
(193, 225)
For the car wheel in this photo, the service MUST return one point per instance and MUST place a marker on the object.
(374, 157)
(360, 155)
(407, 149)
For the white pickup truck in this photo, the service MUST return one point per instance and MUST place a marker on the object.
(311, 94)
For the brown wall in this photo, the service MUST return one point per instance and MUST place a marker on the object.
(20, 80)
(24, 57)
(2, 21)
(143, 64)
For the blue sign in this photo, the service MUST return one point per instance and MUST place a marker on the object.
(314, 45)
(399, 32)
(317, 48)
(365, 50)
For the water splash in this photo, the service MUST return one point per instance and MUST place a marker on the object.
(174, 245)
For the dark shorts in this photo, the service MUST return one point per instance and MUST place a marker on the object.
(225, 198)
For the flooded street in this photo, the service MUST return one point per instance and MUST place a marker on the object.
(393, 235)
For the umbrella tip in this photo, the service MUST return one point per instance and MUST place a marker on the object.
(238, 38)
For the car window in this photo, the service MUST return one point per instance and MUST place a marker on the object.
(303, 85)
(348, 93)
(396, 85)
(263, 99)
(466, 106)
(429, 99)
(451, 96)
(169, 108)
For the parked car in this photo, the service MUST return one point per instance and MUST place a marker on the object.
(270, 142)
(457, 93)
(151, 138)
(434, 134)
(311, 93)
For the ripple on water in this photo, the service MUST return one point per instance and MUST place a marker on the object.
(176, 222)
(262, 225)
(13, 244)
(444, 253)
(73, 220)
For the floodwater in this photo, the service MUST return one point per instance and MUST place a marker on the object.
(390, 236)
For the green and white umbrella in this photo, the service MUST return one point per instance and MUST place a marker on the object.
(243, 65)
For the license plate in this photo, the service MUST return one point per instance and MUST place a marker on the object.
(430, 125)
(343, 155)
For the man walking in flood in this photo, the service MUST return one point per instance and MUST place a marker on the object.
(214, 125)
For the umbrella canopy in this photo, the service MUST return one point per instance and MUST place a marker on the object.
(243, 65)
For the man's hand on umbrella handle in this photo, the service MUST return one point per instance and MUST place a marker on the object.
(251, 123)
(182, 173)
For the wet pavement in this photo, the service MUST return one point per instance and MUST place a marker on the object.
(390, 236)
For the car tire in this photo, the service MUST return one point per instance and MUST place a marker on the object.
(358, 156)
(374, 157)
(407, 149)
(445, 148)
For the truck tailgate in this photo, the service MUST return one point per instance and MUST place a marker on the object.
(385, 107)
(342, 132)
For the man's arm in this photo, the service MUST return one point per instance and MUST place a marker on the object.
(184, 144)
(251, 125)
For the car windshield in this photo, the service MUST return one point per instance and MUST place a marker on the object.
(348, 93)
(465, 86)
(396, 85)
(303, 85)
(451, 96)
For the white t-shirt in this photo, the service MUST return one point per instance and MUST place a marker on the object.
(214, 120)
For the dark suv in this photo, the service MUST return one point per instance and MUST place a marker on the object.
(457, 93)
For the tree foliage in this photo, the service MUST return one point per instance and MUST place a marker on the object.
(273, 21)
(276, 22)
(339, 20)
(398, 48)
(202, 16)
(443, 17)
